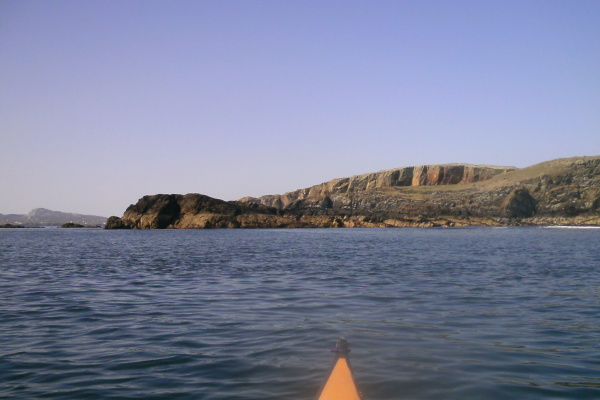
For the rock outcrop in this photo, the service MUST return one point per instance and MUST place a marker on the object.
(72, 225)
(558, 192)
(195, 211)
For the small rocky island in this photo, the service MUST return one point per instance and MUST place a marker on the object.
(72, 225)
(557, 192)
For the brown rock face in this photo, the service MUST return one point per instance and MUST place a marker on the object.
(425, 175)
(433, 175)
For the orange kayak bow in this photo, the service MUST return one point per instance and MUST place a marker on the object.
(340, 383)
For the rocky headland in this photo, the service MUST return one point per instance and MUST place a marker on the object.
(557, 192)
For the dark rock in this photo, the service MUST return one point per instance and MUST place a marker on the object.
(9, 226)
(116, 223)
(596, 204)
(520, 204)
(72, 225)
(327, 203)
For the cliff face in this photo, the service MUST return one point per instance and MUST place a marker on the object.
(561, 192)
(425, 175)
(434, 175)
(555, 192)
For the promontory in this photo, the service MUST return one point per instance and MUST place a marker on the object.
(558, 192)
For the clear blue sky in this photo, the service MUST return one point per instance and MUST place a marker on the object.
(102, 102)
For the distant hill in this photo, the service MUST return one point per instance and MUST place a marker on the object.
(558, 192)
(45, 217)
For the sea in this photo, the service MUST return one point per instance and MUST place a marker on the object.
(430, 313)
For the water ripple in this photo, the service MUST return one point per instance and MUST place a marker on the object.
(453, 313)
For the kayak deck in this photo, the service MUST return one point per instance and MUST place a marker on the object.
(340, 384)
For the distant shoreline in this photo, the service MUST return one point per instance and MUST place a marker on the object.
(11, 226)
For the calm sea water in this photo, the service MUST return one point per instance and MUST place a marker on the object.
(477, 313)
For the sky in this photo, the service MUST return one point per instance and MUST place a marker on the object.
(104, 102)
